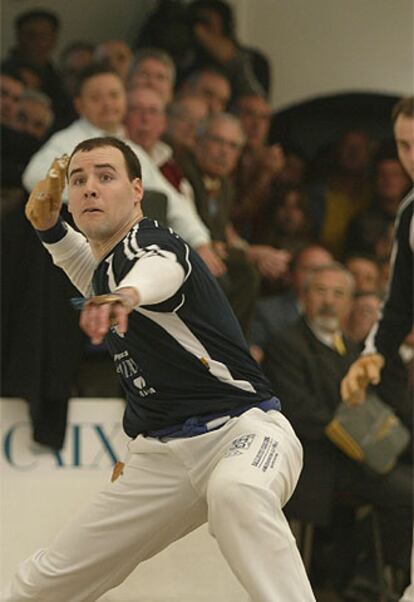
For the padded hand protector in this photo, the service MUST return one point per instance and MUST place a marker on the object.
(364, 371)
(43, 207)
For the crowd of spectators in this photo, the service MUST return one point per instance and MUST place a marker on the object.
(268, 225)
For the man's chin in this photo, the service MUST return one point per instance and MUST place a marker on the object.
(327, 323)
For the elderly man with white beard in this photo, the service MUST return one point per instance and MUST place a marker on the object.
(308, 361)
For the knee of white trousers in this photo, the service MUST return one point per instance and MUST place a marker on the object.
(235, 507)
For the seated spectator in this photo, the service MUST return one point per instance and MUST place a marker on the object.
(306, 362)
(146, 122)
(35, 115)
(11, 90)
(16, 147)
(74, 59)
(209, 84)
(117, 55)
(155, 69)
(365, 312)
(289, 225)
(183, 117)
(219, 142)
(275, 312)
(36, 39)
(202, 33)
(365, 232)
(365, 271)
(345, 192)
(259, 167)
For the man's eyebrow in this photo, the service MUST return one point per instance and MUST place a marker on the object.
(97, 166)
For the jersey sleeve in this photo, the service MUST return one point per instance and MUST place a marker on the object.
(71, 252)
(156, 262)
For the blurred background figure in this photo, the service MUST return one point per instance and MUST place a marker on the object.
(365, 311)
(73, 60)
(277, 311)
(183, 117)
(365, 271)
(367, 232)
(117, 55)
(203, 34)
(16, 146)
(11, 90)
(35, 114)
(36, 39)
(211, 85)
(154, 68)
(259, 166)
(344, 189)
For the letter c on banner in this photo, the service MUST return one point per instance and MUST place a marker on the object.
(8, 447)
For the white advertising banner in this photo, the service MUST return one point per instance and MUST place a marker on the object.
(40, 492)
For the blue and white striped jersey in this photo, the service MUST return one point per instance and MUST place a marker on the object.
(185, 356)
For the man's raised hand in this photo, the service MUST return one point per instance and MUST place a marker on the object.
(43, 207)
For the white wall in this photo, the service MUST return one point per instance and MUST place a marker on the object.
(324, 46)
(316, 46)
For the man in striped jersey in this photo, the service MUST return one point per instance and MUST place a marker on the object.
(397, 314)
(208, 440)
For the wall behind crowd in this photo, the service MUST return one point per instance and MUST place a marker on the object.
(316, 48)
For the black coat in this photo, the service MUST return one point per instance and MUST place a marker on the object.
(306, 375)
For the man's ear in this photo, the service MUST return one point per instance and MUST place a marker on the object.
(138, 189)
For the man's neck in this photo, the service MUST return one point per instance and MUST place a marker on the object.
(101, 248)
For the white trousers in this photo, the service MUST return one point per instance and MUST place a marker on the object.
(237, 478)
(408, 595)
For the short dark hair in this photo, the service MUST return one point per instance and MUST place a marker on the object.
(34, 15)
(405, 106)
(133, 166)
(90, 71)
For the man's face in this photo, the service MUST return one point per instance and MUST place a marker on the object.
(33, 118)
(254, 114)
(102, 101)
(182, 126)
(11, 90)
(154, 74)
(215, 90)
(102, 198)
(309, 260)
(219, 150)
(354, 153)
(391, 184)
(290, 215)
(328, 300)
(145, 119)
(37, 39)
(118, 54)
(365, 312)
(365, 272)
(404, 138)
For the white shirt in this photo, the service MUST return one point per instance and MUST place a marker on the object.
(182, 217)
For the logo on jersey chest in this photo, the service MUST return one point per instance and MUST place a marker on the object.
(127, 367)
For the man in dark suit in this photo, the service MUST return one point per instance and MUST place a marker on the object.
(305, 364)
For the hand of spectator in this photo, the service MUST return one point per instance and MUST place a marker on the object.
(103, 311)
(213, 261)
(273, 159)
(218, 46)
(271, 263)
(364, 371)
(43, 207)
